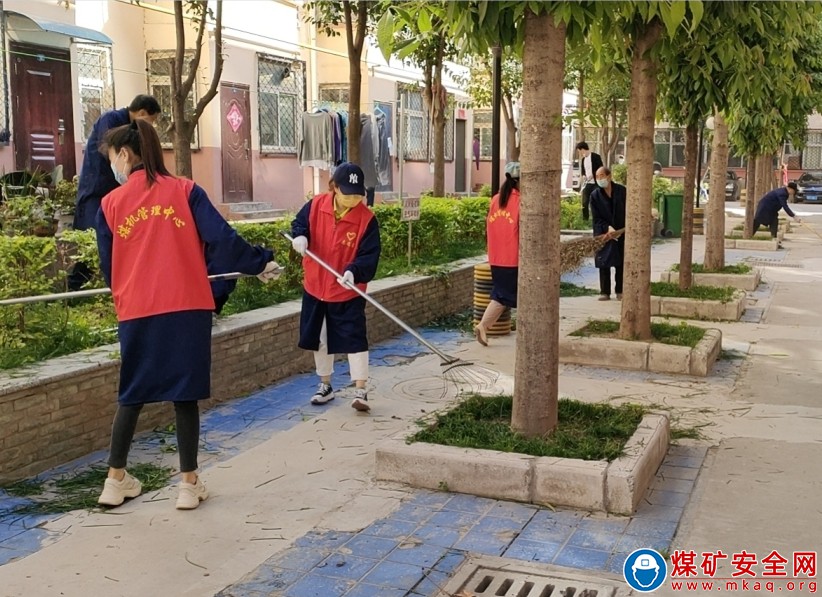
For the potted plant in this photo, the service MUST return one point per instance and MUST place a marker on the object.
(63, 201)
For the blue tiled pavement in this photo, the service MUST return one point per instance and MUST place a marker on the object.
(414, 551)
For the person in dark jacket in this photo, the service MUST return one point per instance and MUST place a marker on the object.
(767, 210)
(96, 176)
(339, 228)
(608, 211)
(589, 164)
(151, 233)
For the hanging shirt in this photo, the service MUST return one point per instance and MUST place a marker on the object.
(317, 142)
(503, 231)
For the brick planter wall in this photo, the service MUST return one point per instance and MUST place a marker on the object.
(62, 409)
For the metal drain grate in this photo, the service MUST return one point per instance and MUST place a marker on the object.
(774, 263)
(498, 577)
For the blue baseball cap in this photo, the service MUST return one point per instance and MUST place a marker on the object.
(512, 169)
(349, 179)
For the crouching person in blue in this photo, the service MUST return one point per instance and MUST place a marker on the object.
(340, 229)
(151, 235)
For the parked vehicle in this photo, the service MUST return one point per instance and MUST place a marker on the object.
(733, 186)
(809, 187)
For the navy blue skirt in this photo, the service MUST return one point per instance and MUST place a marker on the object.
(505, 285)
(165, 358)
(345, 325)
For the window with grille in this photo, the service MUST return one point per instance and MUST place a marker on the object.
(482, 131)
(159, 85)
(669, 147)
(335, 94)
(812, 154)
(415, 122)
(449, 135)
(96, 81)
(281, 99)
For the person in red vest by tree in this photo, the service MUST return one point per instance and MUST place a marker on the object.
(339, 228)
(503, 251)
(151, 235)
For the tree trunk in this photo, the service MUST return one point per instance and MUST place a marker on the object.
(439, 103)
(536, 375)
(355, 39)
(715, 232)
(581, 100)
(636, 298)
(182, 149)
(511, 149)
(686, 247)
(762, 178)
(750, 195)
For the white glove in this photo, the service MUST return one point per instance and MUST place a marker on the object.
(347, 279)
(271, 272)
(300, 244)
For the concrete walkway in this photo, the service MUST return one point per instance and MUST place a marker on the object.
(294, 508)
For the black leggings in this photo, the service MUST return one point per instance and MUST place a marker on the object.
(772, 226)
(188, 434)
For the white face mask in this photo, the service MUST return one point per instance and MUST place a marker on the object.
(602, 182)
(120, 177)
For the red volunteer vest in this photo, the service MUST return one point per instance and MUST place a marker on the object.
(157, 260)
(334, 242)
(503, 231)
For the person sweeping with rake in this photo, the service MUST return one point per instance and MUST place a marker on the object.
(338, 228)
(608, 211)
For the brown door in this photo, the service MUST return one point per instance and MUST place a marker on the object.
(236, 142)
(43, 121)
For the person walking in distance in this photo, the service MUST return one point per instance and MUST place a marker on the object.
(589, 163)
(767, 210)
(96, 177)
(338, 227)
(608, 211)
(151, 234)
(503, 251)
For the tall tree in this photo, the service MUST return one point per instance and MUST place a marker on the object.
(184, 76)
(415, 31)
(478, 84)
(357, 19)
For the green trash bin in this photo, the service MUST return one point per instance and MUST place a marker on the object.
(670, 210)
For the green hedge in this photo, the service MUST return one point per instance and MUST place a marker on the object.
(448, 229)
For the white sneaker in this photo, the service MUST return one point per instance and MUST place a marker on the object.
(115, 492)
(360, 401)
(191, 495)
(323, 395)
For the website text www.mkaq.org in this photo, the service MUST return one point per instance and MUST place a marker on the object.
(757, 585)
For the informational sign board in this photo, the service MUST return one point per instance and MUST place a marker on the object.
(410, 209)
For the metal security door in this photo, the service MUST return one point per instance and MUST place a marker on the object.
(236, 142)
(43, 121)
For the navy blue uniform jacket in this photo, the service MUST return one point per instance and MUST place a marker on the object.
(96, 178)
(768, 209)
(609, 212)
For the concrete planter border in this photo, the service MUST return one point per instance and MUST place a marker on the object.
(615, 487)
(747, 282)
(751, 245)
(638, 355)
(690, 308)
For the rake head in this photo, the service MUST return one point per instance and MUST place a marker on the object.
(468, 377)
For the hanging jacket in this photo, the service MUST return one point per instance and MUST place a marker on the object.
(503, 231)
(317, 141)
(352, 243)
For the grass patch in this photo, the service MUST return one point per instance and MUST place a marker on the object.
(757, 236)
(79, 491)
(685, 433)
(566, 289)
(585, 431)
(462, 321)
(731, 355)
(737, 268)
(666, 333)
(704, 293)
(25, 488)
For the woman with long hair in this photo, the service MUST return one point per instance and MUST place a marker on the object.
(503, 251)
(151, 234)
